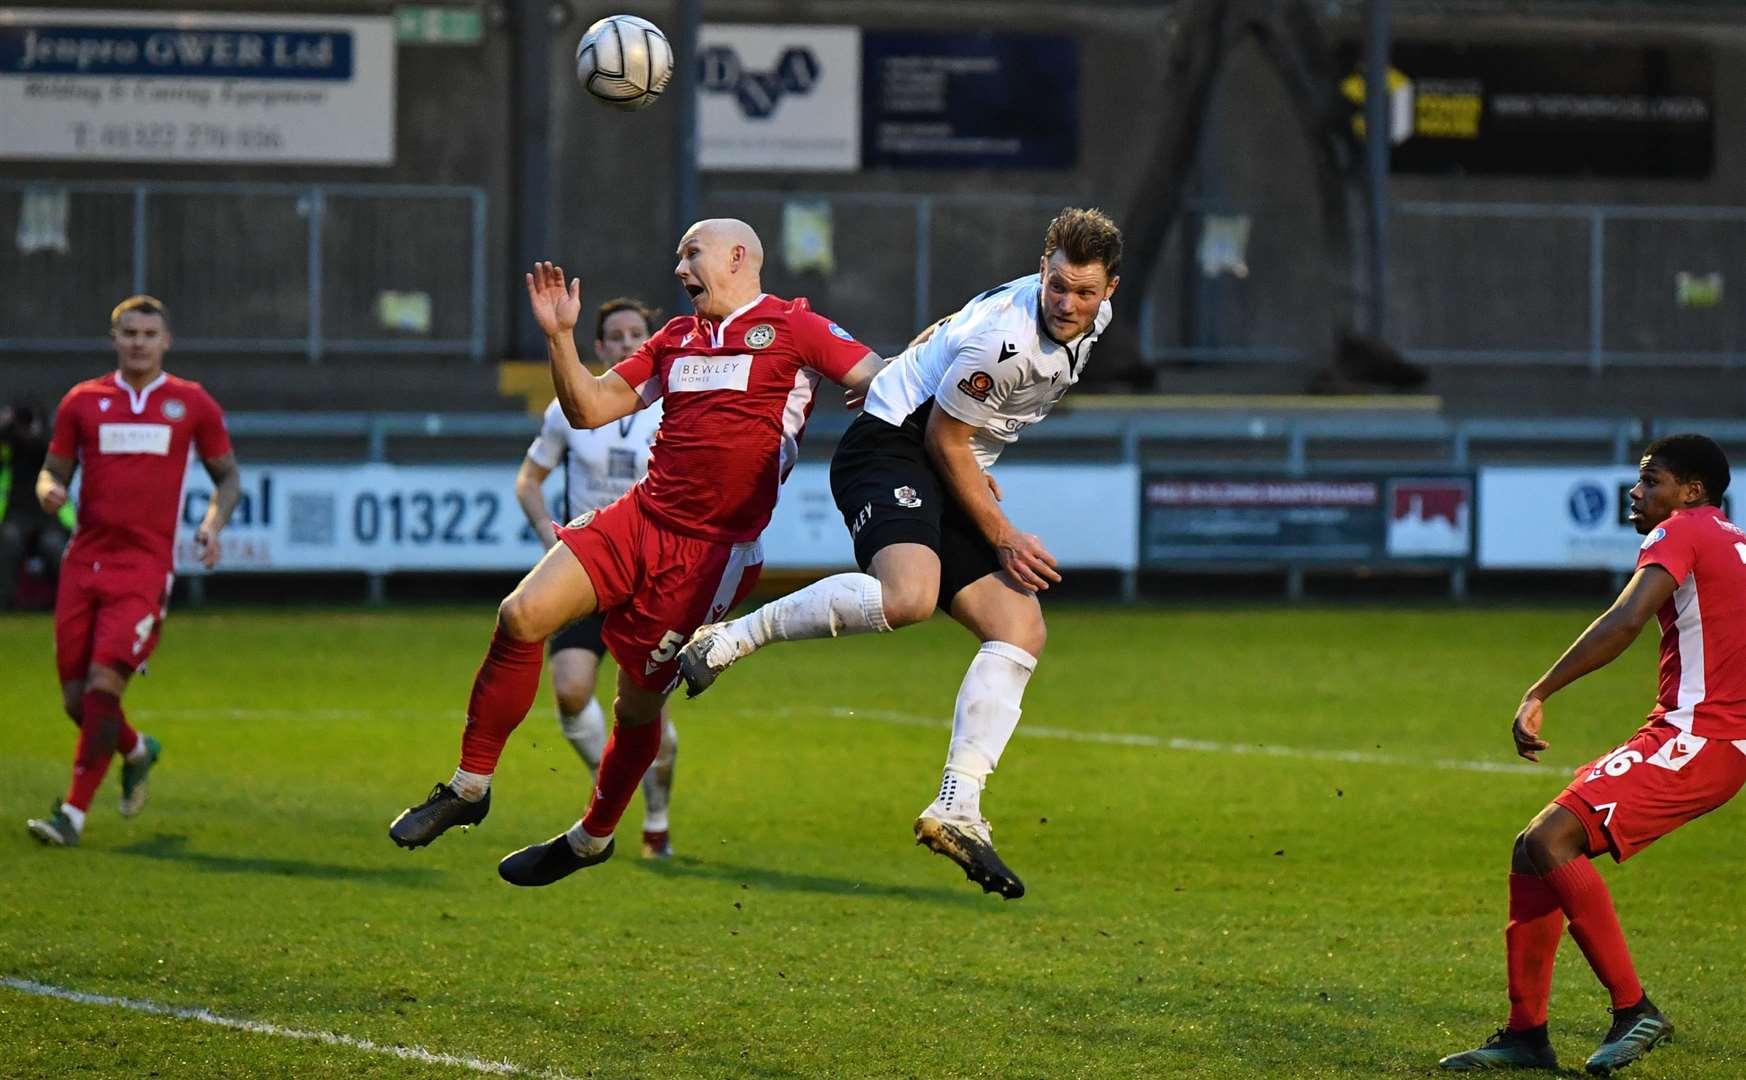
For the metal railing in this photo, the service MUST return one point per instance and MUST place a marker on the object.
(247, 267)
(1590, 286)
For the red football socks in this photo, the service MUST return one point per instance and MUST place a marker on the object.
(126, 739)
(503, 692)
(1595, 926)
(1530, 946)
(629, 753)
(98, 732)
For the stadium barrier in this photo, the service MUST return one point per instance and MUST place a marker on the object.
(1124, 490)
(417, 287)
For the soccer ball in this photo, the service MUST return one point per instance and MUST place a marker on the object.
(624, 62)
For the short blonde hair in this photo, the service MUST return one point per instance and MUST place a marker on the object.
(140, 302)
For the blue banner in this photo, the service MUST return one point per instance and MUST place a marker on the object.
(982, 100)
(168, 50)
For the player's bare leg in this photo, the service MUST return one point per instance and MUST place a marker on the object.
(635, 741)
(900, 588)
(1009, 622)
(580, 717)
(555, 592)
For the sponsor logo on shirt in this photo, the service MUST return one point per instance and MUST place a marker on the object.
(174, 410)
(1007, 351)
(977, 385)
(693, 373)
(133, 439)
(760, 336)
(840, 332)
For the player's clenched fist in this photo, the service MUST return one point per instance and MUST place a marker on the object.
(51, 494)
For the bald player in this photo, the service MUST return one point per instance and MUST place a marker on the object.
(737, 379)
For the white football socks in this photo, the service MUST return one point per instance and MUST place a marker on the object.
(471, 786)
(837, 605)
(983, 720)
(658, 781)
(585, 843)
(586, 731)
(76, 815)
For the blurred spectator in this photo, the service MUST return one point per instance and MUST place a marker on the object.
(31, 538)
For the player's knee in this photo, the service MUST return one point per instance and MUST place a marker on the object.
(906, 605)
(572, 694)
(1031, 636)
(105, 680)
(519, 619)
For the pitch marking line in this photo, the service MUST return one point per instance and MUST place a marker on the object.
(1029, 731)
(1113, 738)
(205, 1016)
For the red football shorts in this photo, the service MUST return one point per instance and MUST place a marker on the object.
(1659, 780)
(107, 614)
(656, 586)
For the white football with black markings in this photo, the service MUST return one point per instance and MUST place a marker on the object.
(624, 62)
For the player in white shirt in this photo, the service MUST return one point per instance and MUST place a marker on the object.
(910, 477)
(599, 466)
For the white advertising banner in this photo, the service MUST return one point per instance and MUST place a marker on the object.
(387, 518)
(85, 85)
(782, 98)
(1556, 518)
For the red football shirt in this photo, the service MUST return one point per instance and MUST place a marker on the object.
(737, 395)
(1703, 627)
(132, 450)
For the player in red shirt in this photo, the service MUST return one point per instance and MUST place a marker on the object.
(737, 380)
(1689, 758)
(131, 432)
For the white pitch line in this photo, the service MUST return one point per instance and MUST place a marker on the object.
(1158, 742)
(206, 1016)
(1030, 731)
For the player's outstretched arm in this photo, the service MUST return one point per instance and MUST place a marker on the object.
(588, 400)
(226, 493)
(1602, 643)
(533, 503)
(1022, 555)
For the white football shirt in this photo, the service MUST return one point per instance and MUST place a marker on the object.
(991, 365)
(599, 465)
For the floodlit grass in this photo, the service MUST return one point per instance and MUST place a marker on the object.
(1192, 912)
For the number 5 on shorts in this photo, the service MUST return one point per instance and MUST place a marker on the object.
(667, 648)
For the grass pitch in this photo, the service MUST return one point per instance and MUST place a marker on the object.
(1327, 904)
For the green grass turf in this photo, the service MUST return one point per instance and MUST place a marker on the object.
(1190, 913)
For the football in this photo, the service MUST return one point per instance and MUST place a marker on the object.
(624, 62)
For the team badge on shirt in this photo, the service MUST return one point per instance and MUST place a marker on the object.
(906, 497)
(760, 336)
(978, 385)
(174, 410)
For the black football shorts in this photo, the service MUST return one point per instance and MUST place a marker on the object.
(889, 493)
